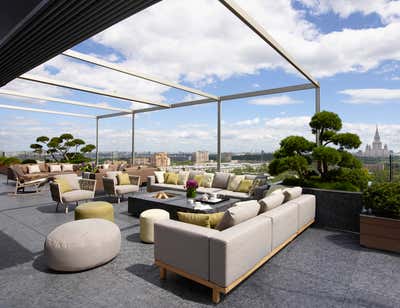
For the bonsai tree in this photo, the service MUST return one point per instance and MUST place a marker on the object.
(62, 146)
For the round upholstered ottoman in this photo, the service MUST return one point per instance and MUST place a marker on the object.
(96, 209)
(147, 219)
(82, 244)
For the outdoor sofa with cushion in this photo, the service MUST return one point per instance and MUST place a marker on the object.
(252, 233)
(29, 172)
(114, 185)
(223, 184)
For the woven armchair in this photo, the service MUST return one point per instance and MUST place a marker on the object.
(83, 190)
(111, 187)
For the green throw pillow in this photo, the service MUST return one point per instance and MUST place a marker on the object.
(172, 178)
(245, 186)
(202, 220)
(123, 179)
(198, 178)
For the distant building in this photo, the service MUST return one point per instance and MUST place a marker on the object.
(226, 157)
(142, 161)
(160, 160)
(376, 149)
(200, 157)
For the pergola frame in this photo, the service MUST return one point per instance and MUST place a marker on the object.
(209, 98)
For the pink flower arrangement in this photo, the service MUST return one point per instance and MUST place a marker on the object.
(192, 184)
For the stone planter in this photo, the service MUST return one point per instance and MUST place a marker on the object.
(337, 209)
(380, 233)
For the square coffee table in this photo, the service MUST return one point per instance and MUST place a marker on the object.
(176, 203)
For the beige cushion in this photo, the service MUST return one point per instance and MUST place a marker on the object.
(234, 194)
(124, 189)
(207, 180)
(77, 195)
(239, 213)
(292, 193)
(183, 177)
(67, 167)
(55, 168)
(234, 182)
(82, 244)
(204, 190)
(270, 202)
(113, 175)
(147, 220)
(72, 180)
(221, 180)
(193, 173)
(159, 176)
(306, 209)
(33, 169)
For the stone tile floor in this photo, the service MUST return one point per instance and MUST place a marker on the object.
(321, 268)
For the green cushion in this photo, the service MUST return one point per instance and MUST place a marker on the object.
(97, 209)
(245, 186)
(123, 179)
(198, 178)
(172, 179)
(63, 184)
(202, 220)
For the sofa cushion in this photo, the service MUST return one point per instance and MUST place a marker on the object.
(292, 193)
(207, 180)
(55, 168)
(198, 178)
(183, 177)
(244, 186)
(274, 187)
(63, 185)
(239, 213)
(193, 173)
(123, 179)
(67, 167)
(257, 182)
(270, 202)
(43, 167)
(202, 220)
(33, 169)
(113, 175)
(71, 178)
(221, 180)
(234, 194)
(168, 186)
(306, 209)
(234, 182)
(205, 190)
(159, 176)
(124, 189)
(77, 195)
(171, 178)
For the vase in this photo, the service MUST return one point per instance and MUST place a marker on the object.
(191, 193)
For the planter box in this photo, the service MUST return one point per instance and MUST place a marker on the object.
(380, 233)
(337, 209)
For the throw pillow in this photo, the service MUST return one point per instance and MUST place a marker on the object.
(272, 188)
(159, 176)
(202, 220)
(55, 168)
(258, 182)
(33, 169)
(207, 180)
(198, 178)
(172, 178)
(221, 180)
(166, 175)
(244, 186)
(234, 182)
(292, 193)
(67, 167)
(192, 174)
(215, 219)
(237, 214)
(183, 177)
(272, 201)
(63, 185)
(123, 179)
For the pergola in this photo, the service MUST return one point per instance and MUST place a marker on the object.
(207, 97)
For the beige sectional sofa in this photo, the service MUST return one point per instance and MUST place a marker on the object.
(222, 259)
(219, 185)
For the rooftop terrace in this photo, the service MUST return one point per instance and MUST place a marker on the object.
(321, 268)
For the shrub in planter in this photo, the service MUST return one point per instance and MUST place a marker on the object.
(29, 161)
(383, 199)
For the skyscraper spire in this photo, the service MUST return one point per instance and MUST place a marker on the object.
(377, 137)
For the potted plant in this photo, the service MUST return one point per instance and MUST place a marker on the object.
(380, 226)
(191, 187)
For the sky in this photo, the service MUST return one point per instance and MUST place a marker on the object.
(351, 47)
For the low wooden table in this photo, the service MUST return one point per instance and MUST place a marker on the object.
(176, 203)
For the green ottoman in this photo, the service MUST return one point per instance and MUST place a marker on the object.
(97, 209)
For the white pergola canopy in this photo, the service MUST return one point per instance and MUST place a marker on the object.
(208, 98)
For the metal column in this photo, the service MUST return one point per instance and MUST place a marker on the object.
(317, 109)
(97, 141)
(133, 139)
(219, 136)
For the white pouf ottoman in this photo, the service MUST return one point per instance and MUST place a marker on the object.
(82, 244)
(147, 219)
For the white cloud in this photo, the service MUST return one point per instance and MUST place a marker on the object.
(274, 101)
(249, 122)
(372, 96)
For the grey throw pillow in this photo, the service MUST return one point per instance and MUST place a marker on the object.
(241, 212)
(221, 180)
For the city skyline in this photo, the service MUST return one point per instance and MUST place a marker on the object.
(359, 82)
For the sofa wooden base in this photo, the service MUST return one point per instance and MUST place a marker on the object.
(216, 289)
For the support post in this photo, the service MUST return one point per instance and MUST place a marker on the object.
(317, 109)
(219, 135)
(133, 139)
(97, 141)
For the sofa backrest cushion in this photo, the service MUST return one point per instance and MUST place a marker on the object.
(193, 173)
(171, 178)
(33, 169)
(183, 177)
(202, 220)
(42, 167)
(72, 180)
(67, 167)
(221, 180)
(274, 187)
(207, 180)
(234, 182)
(292, 193)
(55, 168)
(272, 201)
(159, 176)
(245, 186)
(242, 211)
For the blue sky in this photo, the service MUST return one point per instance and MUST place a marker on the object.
(351, 47)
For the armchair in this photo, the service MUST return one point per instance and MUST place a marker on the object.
(81, 190)
(112, 188)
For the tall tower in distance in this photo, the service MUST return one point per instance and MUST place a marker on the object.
(377, 144)
(376, 149)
